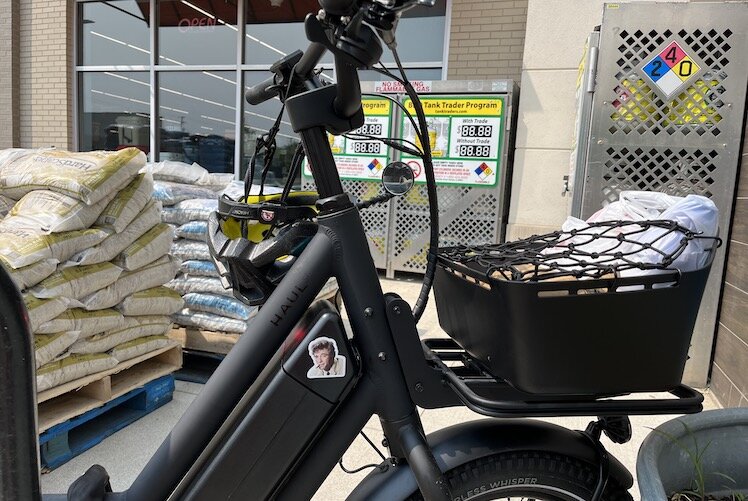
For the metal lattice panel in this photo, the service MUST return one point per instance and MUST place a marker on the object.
(466, 215)
(681, 135)
(375, 218)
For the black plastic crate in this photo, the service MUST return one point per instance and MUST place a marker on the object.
(572, 337)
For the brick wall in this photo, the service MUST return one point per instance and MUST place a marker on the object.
(729, 381)
(487, 39)
(9, 76)
(46, 73)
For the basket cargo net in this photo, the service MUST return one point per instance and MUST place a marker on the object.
(591, 251)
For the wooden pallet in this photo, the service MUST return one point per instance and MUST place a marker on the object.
(72, 437)
(68, 400)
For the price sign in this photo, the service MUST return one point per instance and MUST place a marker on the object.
(465, 135)
(670, 68)
(364, 158)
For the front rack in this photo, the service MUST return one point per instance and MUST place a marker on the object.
(487, 395)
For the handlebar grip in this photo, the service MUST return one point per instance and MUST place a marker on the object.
(262, 92)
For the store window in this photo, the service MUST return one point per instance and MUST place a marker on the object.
(191, 76)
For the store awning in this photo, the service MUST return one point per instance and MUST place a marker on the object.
(178, 12)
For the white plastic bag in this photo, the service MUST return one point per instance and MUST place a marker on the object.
(154, 244)
(6, 204)
(44, 310)
(86, 323)
(194, 230)
(635, 206)
(190, 250)
(117, 242)
(185, 285)
(32, 274)
(70, 368)
(190, 210)
(196, 268)
(140, 346)
(219, 305)
(89, 176)
(155, 301)
(78, 281)
(49, 346)
(22, 246)
(132, 328)
(127, 204)
(210, 322)
(51, 212)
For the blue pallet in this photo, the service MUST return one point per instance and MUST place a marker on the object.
(64, 441)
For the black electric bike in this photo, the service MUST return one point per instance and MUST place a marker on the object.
(293, 394)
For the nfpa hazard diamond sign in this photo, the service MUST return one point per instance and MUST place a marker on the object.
(671, 68)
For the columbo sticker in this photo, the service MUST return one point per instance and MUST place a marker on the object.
(325, 359)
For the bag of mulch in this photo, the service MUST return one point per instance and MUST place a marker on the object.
(151, 275)
(30, 275)
(78, 281)
(177, 172)
(173, 193)
(194, 230)
(86, 323)
(89, 176)
(127, 204)
(190, 250)
(154, 244)
(115, 243)
(6, 204)
(23, 246)
(219, 305)
(52, 212)
(185, 285)
(49, 346)
(132, 328)
(155, 301)
(140, 346)
(197, 268)
(70, 368)
(44, 310)
(209, 322)
(190, 210)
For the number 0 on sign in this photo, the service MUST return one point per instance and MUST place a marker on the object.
(671, 68)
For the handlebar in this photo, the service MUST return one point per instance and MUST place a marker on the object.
(263, 91)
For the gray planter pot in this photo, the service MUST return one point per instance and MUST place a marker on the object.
(663, 467)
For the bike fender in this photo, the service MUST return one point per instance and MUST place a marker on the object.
(465, 442)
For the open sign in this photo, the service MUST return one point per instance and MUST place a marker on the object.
(196, 23)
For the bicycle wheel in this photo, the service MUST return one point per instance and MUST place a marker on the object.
(528, 475)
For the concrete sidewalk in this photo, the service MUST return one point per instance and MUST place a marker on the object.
(126, 452)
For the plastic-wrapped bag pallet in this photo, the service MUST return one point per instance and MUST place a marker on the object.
(219, 305)
(194, 230)
(127, 204)
(44, 310)
(185, 285)
(173, 193)
(190, 210)
(70, 368)
(190, 250)
(23, 246)
(49, 346)
(89, 176)
(154, 244)
(196, 268)
(115, 243)
(151, 275)
(132, 328)
(52, 212)
(78, 281)
(155, 301)
(86, 323)
(180, 172)
(30, 275)
(140, 346)
(210, 322)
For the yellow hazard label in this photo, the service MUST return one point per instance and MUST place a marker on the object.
(374, 107)
(459, 106)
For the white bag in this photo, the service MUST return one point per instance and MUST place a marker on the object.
(49, 346)
(190, 250)
(116, 243)
(190, 210)
(127, 204)
(86, 323)
(22, 246)
(51, 212)
(89, 176)
(70, 368)
(6, 204)
(44, 310)
(78, 281)
(32, 274)
(154, 244)
(151, 275)
(210, 322)
(194, 230)
(219, 305)
(155, 301)
(140, 346)
(132, 328)
(185, 285)
(195, 268)
(177, 172)
(173, 193)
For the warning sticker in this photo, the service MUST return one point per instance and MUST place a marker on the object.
(670, 68)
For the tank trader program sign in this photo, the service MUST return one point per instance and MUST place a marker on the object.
(363, 160)
(465, 135)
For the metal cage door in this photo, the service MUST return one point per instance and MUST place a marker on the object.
(667, 115)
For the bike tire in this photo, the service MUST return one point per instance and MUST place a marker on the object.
(528, 475)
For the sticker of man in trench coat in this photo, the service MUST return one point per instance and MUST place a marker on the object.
(327, 362)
